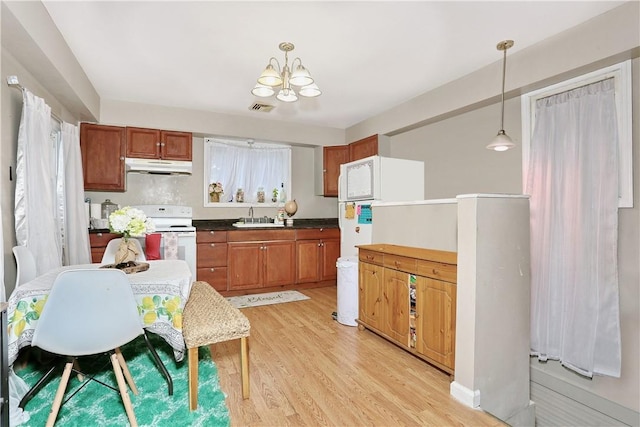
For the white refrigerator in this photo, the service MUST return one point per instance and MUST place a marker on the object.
(365, 181)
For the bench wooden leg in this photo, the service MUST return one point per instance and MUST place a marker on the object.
(192, 357)
(244, 362)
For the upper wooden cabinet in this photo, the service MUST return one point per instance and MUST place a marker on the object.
(326, 183)
(332, 158)
(159, 144)
(103, 151)
(363, 148)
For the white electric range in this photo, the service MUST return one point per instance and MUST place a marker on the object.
(178, 220)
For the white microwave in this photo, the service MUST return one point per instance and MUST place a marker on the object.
(381, 178)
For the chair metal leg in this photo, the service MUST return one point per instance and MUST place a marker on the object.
(37, 386)
(159, 363)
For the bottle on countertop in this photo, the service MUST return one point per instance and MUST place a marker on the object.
(107, 208)
(283, 193)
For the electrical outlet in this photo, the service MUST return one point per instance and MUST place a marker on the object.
(12, 80)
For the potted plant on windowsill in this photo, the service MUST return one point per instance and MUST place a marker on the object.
(215, 192)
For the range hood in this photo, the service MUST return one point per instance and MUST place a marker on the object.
(156, 166)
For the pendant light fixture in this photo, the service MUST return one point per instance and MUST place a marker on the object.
(275, 78)
(502, 142)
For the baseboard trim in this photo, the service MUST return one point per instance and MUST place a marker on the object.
(471, 398)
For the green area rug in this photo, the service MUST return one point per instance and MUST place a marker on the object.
(98, 405)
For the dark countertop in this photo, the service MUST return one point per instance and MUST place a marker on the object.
(226, 224)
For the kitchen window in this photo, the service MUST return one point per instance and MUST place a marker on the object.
(235, 172)
(621, 74)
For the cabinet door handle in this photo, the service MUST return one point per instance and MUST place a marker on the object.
(213, 244)
(99, 234)
(212, 269)
(158, 143)
(211, 232)
(162, 144)
(370, 257)
(318, 244)
(121, 158)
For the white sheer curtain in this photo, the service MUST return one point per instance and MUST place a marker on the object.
(35, 198)
(249, 168)
(75, 238)
(573, 183)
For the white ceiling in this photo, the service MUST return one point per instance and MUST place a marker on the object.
(366, 56)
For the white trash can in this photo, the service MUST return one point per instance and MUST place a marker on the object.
(347, 290)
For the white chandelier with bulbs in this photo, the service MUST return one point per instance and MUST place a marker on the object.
(282, 79)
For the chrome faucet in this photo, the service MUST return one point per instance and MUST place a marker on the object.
(251, 212)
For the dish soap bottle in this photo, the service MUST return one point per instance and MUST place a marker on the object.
(283, 194)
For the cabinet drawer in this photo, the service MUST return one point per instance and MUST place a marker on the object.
(260, 235)
(400, 263)
(212, 255)
(436, 270)
(211, 236)
(318, 233)
(370, 257)
(215, 276)
(100, 240)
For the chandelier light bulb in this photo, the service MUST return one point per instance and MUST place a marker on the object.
(270, 77)
(262, 91)
(287, 95)
(301, 76)
(310, 91)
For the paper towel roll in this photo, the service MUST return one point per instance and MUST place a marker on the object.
(87, 213)
(96, 210)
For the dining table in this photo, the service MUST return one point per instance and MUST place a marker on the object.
(161, 293)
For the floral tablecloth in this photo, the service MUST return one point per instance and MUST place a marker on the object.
(161, 293)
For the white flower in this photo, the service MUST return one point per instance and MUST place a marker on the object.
(130, 222)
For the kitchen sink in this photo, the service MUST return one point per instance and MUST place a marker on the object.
(250, 222)
(256, 224)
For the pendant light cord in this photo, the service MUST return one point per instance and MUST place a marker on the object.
(504, 69)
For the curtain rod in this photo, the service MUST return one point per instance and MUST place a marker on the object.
(12, 81)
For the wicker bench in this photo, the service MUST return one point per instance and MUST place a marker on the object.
(209, 318)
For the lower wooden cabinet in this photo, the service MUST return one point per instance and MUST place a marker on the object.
(261, 264)
(263, 260)
(98, 242)
(408, 295)
(435, 333)
(370, 294)
(317, 251)
(212, 258)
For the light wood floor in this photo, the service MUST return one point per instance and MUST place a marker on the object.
(309, 370)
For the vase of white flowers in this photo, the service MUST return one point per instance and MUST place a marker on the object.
(130, 222)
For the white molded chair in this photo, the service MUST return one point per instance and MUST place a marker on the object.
(109, 256)
(92, 296)
(25, 263)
